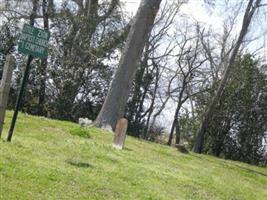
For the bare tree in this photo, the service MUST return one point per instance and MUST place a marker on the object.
(188, 62)
(250, 10)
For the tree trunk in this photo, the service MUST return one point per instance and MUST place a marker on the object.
(151, 107)
(179, 105)
(43, 66)
(5, 85)
(178, 133)
(115, 102)
(172, 131)
(175, 121)
(199, 143)
(224, 129)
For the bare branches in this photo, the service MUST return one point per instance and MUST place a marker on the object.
(113, 4)
(250, 10)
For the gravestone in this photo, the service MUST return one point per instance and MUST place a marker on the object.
(5, 88)
(85, 122)
(120, 133)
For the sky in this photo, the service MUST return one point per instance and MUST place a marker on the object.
(194, 8)
(197, 10)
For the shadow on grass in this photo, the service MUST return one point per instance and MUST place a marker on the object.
(233, 165)
(2, 140)
(251, 170)
(79, 164)
(127, 149)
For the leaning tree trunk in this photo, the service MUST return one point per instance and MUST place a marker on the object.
(115, 102)
(43, 67)
(181, 100)
(178, 133)
(250, 10)
(172, 131)
(151, 107)
(175, 122)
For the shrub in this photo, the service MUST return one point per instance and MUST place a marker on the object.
(81, 132)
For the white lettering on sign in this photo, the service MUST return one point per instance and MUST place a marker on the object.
(41, 42)
(43, 34)
(27, 37)
(33, 47)
(32, 39)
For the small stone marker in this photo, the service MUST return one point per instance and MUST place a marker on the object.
(85, 122)
(5, 88)
(120, 133)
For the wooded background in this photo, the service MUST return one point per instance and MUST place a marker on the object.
(104, 64)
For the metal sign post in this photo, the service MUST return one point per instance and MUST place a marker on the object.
(19, 99)
(33, 42)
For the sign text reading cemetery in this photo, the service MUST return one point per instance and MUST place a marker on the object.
(34, 41)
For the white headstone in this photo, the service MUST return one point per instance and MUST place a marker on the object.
(85, 122)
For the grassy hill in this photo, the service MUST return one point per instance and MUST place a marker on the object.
(50, 159)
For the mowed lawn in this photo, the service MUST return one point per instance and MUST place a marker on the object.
(49, 159)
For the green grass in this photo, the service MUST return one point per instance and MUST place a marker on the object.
(82, 132)
(49, 159)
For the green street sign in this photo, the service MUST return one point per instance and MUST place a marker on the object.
(34, 41)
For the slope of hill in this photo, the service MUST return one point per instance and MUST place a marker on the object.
(50, 159)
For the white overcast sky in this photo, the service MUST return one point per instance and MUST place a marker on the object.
(197, 10)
